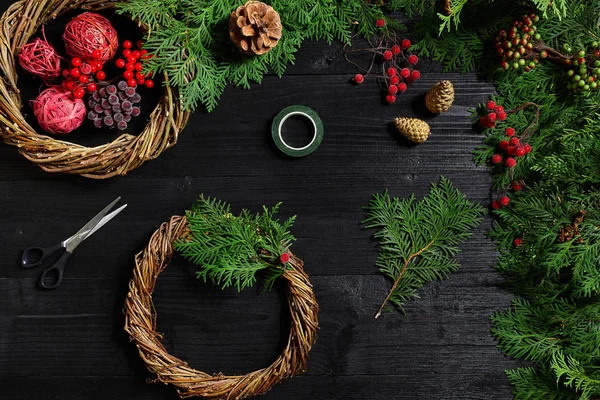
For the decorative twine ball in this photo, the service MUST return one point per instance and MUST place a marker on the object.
(255, 28)
(88, 32)
(40, 59)
(58, 112)
(413, 129)
(440, 97)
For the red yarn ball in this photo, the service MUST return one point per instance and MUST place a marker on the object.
(58, 112)
(39, 58)
(88, 32)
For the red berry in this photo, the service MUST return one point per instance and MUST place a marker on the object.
(402, 87)
(129, 66)
(99, 65)
(393, 89)
(131, 59)
(143, 51)
(284, 258)
(149, 83)
(413, 59)
(396, 49)
(139, 44)
(520, 152)
(495, 205)
(503, 144)
(359, 78)
(405, 72)
(127, 44)
(496, 159)
(501, 115)
(127, 74)
(76, 62)
(136, 53)
(405, 44)
(380, 23)
(126, 53)
(513, 141)
(518, 241)
(527, 149)
(499, 109)
(79, 93)
(96, 54)
(138, 66)
(491, 105)
(516, 186)
(66, 73)
(491, 117)
(93, 69)
(394, 80)
(75, 72)
(510, 162)
(512, 150)
(70, 85)
(392, 72)
(390, 98)
(140, 81)
(509, 132)
(120, 63)
(387, 55)
(415, 74)
(131, 83)
(139, 75)
(100, 75)
(91, 87)
(484, 121)
(83, 78)
(504, 200)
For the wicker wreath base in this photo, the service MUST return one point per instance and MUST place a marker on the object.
(140, 323)
(127, 152)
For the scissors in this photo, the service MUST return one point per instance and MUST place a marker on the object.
(35, 256)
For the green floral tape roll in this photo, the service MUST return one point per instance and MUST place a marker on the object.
(303, 112)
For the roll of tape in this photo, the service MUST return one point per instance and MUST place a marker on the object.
(303, 112)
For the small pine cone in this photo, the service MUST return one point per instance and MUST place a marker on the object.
(440, 97)
(413, 129)
(255, 27)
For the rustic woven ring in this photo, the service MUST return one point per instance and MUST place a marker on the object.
(140, 323)
(124, 154)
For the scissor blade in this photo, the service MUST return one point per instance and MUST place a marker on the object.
(105, 220)
(77, 238)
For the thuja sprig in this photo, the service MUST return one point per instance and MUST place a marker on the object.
(419, 239)
(231, 249)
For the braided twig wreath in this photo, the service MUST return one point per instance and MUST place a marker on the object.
(127, 152)
(140, 323)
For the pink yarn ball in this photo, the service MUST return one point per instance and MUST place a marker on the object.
(39, 58)
(88, 32)
(58, 112)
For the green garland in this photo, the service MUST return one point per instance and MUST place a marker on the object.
(189, 40)
(554, 267)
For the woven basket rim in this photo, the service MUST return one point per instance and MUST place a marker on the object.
(140, 324)
(125, 153)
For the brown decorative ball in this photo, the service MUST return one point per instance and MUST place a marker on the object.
(413, 129)
(255, 28)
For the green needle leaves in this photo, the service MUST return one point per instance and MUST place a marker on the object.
(419, 239)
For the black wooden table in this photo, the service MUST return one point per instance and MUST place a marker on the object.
(70, 344)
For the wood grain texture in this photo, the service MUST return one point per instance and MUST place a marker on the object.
(69, 343)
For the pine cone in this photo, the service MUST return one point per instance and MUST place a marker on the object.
(440, 97)
(255, 27)
(413, 129)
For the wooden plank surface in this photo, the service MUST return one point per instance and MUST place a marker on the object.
(69, 343)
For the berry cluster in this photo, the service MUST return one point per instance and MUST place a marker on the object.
(513, 147)
(113, 106)
(82, 74)
(515, 45)
(493, 113)
(585, 68)
(398, 65)
(132, 63)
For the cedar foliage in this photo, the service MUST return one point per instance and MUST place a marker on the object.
(419, 239)
(231, 250)
(190, 40)
(554, 322)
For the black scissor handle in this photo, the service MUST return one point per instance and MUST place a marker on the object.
(52, 277)
(35, 256)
